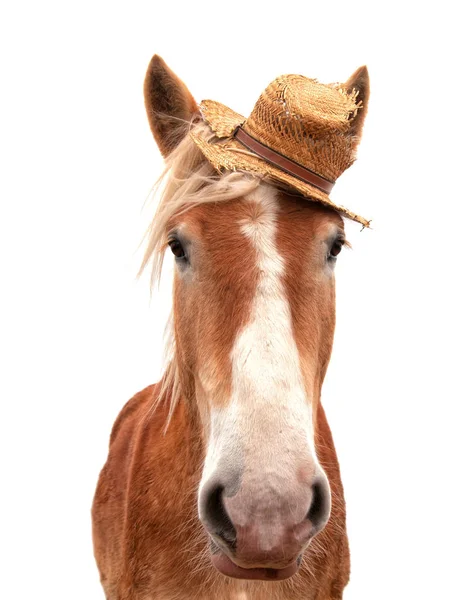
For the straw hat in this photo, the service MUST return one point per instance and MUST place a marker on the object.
(299, 133)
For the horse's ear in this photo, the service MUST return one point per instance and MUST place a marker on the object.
(170, 106)
(359, 82)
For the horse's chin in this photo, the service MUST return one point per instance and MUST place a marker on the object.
(227, 567)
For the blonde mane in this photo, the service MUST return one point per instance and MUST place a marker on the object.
(188, 180)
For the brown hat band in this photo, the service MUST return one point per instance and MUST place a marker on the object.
(282, 162)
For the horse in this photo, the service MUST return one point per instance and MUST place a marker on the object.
(222, 480)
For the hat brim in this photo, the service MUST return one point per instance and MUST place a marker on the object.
(227, 153)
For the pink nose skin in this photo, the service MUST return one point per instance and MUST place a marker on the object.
(261, 535)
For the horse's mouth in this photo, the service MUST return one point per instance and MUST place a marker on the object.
(227, 567)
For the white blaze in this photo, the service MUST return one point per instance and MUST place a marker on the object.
(266, 429)
(267, 378)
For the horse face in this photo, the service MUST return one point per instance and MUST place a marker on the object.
(254, 315)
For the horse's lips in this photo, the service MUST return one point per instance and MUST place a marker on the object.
(226, 566)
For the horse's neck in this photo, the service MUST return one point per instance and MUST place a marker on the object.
(171, 452)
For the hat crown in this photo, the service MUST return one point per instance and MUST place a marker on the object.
(306, 121)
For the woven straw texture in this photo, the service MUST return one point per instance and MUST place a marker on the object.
(306, 121)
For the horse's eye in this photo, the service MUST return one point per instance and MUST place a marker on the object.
(176, 248)
(336, 248)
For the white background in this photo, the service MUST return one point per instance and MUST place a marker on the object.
(79, 335)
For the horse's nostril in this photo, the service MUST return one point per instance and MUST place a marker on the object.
(217, 518)
(320, 508)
